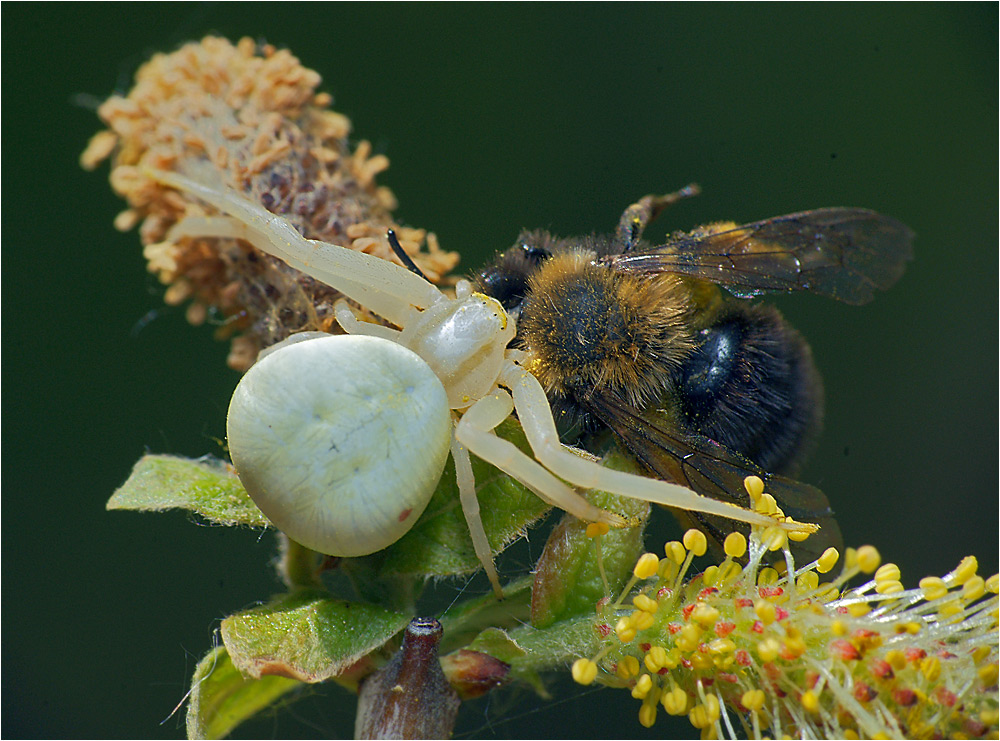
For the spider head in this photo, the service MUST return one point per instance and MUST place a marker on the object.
(463, 341)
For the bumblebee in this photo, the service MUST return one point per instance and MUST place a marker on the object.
(656, 349)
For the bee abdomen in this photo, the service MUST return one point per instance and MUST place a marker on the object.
(752, 386)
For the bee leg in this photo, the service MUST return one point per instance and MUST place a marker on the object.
(639, 215)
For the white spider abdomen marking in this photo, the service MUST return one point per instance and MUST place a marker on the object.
(340, 440)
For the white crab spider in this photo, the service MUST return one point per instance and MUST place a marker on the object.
(400, 399)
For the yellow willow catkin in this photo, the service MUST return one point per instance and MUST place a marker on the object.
(920, 662)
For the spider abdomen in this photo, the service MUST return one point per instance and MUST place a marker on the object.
(340, 440)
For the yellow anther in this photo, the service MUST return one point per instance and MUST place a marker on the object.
(839, 628)
(710, 576)
(698, 717)
(708, 713)
(705, 615)
(767, 577)
(765, 610)
(629, 665)
(980, 653)
(696, 542)
(868, 559)
(595, 529)
(974, 588)
(896, 659)
(768, 649)
(647, 714)
(724, 662)
(859, 609)
(646, 566)
(933, 587)
(951, 607)
(989, 716)
(641, 620)
(674, 701)
(722, 646)
(766, 505)
(700, 662)
(673, 658)
(753, 700)
(993, 584)
(621, 669)
(624, 630)
(810, 701)
(888, 587)
(655, 659)
(987, 674)
(827, 592)
(728, 571)
(797, 536)
(774, 538)
(930, 667)
(642, 602)
(965, 570)
(807, 581)
(912, 627)
(887, 572)
(675, 551)
(689, 637)
(642, 687)
(754, 486)
(735, 545)
(795, 646)
(584, 671)
(667, 570)
(828, 560)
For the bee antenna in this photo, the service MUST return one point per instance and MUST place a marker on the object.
(403, 257)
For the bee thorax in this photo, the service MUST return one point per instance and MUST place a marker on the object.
(590, 329)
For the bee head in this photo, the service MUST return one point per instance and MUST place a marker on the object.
(507, 278)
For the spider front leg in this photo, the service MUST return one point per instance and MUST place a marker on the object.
(639, 215)
(536, 419)
(382, 287)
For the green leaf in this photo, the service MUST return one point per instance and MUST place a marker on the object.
(464, 621)
(568, 578)
(309, 636)
(205, 485)
(529, 650)
(439, 544)
(222, 698)
(554, 647)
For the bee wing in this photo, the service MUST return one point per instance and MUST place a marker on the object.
(844, 253)
(713, 470)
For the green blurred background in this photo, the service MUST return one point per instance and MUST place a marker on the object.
(495, 118)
